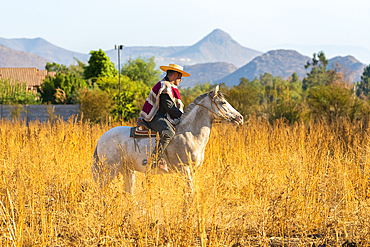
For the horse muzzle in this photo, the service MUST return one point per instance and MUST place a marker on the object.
(238, 120)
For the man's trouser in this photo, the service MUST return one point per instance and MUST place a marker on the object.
(166, 132)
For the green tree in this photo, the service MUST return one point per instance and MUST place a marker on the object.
(295, 87)
(61, 89)
(132, 98)
(363, 87)
(189, 94)
(99, 65)
(246, 97)
(267, 80)
(142, 70)
(318, 75)
(77, 69)
(54, 67)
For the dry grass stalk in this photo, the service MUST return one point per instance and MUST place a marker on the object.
(260, 184)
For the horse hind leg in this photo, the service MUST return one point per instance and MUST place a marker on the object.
(102, 172)
(189, 179)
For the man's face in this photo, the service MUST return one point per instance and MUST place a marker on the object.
(178, 78)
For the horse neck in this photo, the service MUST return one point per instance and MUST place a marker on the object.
(198, 122)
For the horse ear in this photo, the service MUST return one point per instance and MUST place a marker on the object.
(216, 91)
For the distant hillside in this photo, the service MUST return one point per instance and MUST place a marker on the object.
(213, 59)
(362, 54)
(10, 58)
(285, 62)
(278, 63)
(350, 67)
(206, 72)
(218, 46)
(43, 48)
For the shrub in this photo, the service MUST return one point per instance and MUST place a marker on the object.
(330, 102)
(16, 93)
(95, 105)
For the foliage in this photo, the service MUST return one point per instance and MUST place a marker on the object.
(54, 67)
(363, 87)
(16, 93)
(64, 88)
(142, 70)
(318, 75)
(99, 65)
(283, 106)
(189, 94)
(95, 105)
(323, 94)
(295, 86)
(245, 97)
(330, 102)
(77, 69)
(136, 82)
(61, 89)
(133, 95)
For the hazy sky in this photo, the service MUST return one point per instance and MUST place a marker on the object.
(84, 25)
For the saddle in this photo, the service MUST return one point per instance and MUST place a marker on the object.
(142, 130)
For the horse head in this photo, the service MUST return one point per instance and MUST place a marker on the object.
(220, 108)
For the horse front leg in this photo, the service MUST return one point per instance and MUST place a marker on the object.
(129, 176)
(189, 179)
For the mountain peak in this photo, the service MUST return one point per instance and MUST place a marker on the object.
(217, 46)
(217, 36)
(219, 33)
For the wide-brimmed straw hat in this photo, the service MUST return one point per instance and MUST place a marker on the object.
(176, 68)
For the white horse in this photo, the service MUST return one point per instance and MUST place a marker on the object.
(117, 152)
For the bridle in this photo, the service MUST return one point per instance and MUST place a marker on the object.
(223, 115)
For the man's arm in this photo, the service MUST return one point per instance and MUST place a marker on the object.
(170, 106)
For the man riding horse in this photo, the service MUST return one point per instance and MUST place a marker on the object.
(162, 110)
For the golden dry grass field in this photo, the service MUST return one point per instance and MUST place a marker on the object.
(260, 185)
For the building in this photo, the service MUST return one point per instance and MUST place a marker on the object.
(31, 76)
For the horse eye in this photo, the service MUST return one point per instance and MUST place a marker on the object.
(223, 102)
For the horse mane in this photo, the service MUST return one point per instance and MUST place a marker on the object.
(197, 99)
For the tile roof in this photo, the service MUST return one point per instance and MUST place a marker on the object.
(32, 76)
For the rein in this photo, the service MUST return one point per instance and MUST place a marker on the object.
(213, 101)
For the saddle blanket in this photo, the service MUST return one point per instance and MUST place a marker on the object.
(137, 133)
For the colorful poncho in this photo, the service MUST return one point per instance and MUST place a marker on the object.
(151, 104)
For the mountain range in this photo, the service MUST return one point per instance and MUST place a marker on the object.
(218, 46)
(215, 58)
(44, 49)
(361, 53)
(284, 63)
(13, 58)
